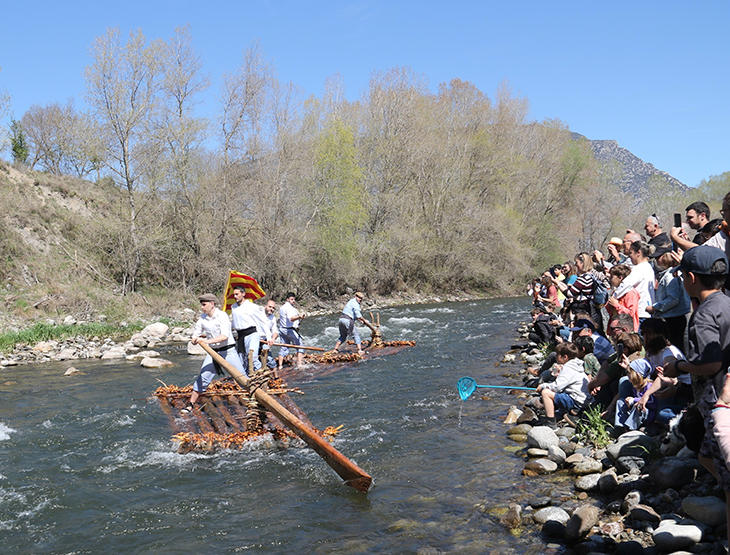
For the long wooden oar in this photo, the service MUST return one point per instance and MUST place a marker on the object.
(298, 347)
(352, 474)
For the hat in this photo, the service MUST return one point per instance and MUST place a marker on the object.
(583, 324)
(208, 297)
(360, 295)
(699, 260)
(641, 366)
(615, 241)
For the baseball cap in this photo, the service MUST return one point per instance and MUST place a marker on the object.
(699, 260)
(583, 324)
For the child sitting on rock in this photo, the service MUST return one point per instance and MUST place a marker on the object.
(570, 388)
(629, 412)
(585, 344)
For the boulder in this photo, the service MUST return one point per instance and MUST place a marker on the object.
(143, 354)
(707, 510)
(672, 472)
(114, 353)
(156, 331)
(581, 522)
(629, 548)
(539, 502)
(45, 346)
(574, 459)
(551, 513)
(149, 362)
(528, 415)
(195, 349)
(673, 537)
(71, 371)
(541, 437)
(537, 453)
(519, 429)
(633, 444)
(66, 354)
(631, 500)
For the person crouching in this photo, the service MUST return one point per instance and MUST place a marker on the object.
(570, 388)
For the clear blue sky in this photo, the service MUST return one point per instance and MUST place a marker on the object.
(654, 76)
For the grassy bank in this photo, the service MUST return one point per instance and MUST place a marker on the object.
(45, 332)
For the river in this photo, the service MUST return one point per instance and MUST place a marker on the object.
(87, 465)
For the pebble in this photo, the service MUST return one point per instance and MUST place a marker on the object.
(587, 466)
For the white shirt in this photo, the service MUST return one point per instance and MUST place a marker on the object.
(642, 278)
(213, 326)
(669, 351)
(286, 312)
(270, 329)
(248, 315)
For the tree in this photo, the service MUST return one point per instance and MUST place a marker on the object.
(122, 88)
(18, 143)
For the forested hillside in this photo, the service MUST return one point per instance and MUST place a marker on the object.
(403, 189)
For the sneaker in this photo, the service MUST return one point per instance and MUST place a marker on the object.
(187, 409)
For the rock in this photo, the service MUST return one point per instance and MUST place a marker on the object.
(633, 444)
(509, 358)
(519, 429)
(518, 438)
(581, 522)
(612, 528)
(672, 537)
(528, 415)
(114, 353)
(149, 362)
(671, 472)
(556, 454)
(195, 349)
(608, 482)
(143, 354)
(66, 354)
(539, 502)
(45, 346)
(626, 464)
(645, 513)
(541, 437)
(534, 452)
(551, 513)
(69, 321)
(8, 362)
(541, 466)
(71, 371)
(513, 517)
(629, 548)
(631, 500)
(587, 466)
(566, 432)
(139, 340)
(589, 482)
(553, 529)
(512, 415)
(574, 459)
(707, 510)
(156, 331)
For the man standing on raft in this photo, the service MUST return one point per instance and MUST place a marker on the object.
(214, 329)
(350, 313)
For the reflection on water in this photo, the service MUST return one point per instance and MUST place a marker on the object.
(87, 465)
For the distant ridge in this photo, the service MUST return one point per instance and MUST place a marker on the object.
(636, 172)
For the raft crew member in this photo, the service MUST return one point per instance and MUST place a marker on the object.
(350, 313)
(269, 333)
(247, 318)
(289, 319)
(214, 329)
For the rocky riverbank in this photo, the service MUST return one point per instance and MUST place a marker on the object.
(627, 497)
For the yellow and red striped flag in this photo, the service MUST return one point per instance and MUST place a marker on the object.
(253, 289)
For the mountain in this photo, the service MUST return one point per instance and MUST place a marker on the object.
(635, 172)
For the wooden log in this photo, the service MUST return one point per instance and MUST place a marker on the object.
(352, 474)
(192, 425)
(216, 420)
(222, 407)
(239, 409)
(298, 347)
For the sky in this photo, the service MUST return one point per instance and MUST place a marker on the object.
(653, 76)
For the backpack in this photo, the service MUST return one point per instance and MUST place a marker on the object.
(600, 292)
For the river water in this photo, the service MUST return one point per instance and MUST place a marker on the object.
(87, 465)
